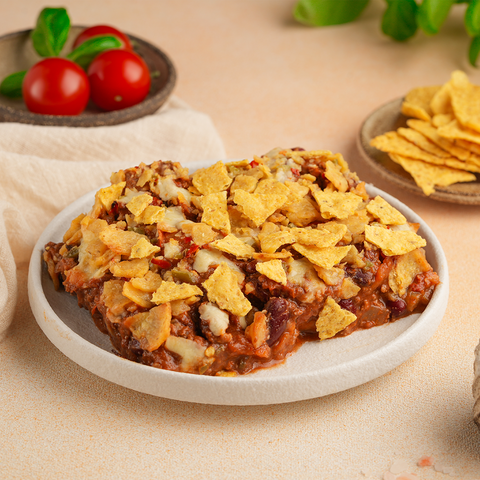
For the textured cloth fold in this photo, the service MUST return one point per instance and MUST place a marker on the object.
(44, 169)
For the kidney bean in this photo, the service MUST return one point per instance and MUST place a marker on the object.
(277, 314)
(397, 307)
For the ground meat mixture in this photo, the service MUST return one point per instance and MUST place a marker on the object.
(232, 268)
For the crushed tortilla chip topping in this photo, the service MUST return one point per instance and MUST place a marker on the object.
(213, 179)
(215, 211)
(169, 291)
(227, 270)
(332, 319)
(387, 214)
(274, 270)
(393, 242)
(222, 289)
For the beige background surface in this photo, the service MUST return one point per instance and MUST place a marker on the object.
(265, 81)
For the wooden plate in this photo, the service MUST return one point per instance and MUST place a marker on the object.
(17, 53)
(386, 118)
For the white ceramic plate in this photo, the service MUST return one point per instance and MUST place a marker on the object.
(315, 370)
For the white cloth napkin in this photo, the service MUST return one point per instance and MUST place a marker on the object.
(44, 169)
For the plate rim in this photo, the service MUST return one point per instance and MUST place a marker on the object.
(440, 193)
(224, 390)
(144, 108)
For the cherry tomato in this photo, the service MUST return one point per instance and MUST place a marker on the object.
(56, 86)
(118, 79)
(102, 30)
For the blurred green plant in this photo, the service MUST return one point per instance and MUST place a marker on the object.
(401, 19)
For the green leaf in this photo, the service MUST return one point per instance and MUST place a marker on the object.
(432, 14)
(321, 13)
(51, 32)
(11, 86)
(474, 50)
(88, 50)
(399, 20)
(472, 18)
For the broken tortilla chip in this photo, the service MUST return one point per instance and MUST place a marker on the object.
(258, 207)
(332, 319)
(213, 179)
(222, 289)
(393, 242)
(169, 291)
(273, 269)
(387, 214)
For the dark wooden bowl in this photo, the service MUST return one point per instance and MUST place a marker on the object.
(17, 53)
(386, 118)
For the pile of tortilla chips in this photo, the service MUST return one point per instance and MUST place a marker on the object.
(441, 145)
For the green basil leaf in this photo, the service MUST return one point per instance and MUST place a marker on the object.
(321, 13)
(88, 50)
(11, 86)
(399, 20)
(472, 18)
(51, 32)
(474, 50)
(432, 14)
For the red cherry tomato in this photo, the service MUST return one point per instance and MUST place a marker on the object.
(102, 30)
(118, 79)
(56, 86)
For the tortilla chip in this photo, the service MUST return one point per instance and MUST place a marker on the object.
(432, 134)
(143, 248)
(333, 173)
(417, 102)
(387, 214)
(442, 119)
(151, 215)
(213, 179)
(441, 101)
(393, 143)
(331, 276)
(271, 186)
(222, 289)
(110, 194)
(151, 328)
(215, 211)
(149, 283)
(244, 182)
(465, 101)
(200, 232)
(273, 270)
(454, 131)
(233, 245)
(119, 241)
(139, 203)
(427, 176)
(258, 207)
(354, 258)
(422, 142)
(131, 268)
(137, 296)
(303, 212)
(320, 237)
(333, 319)
(323, 257)
(406, 268)
(335, 204)
(272, 242)
(169, 291)
(114, 299)
(348, 289)
(393, 242)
